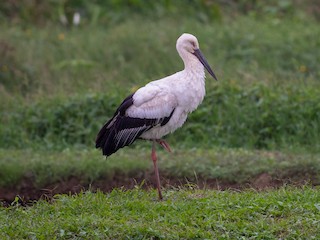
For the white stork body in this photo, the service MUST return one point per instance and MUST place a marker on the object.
(181, 92)
(160, 107)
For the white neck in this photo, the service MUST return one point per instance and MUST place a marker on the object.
(194, 66)
(192, 63)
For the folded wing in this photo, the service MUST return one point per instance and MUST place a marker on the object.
(136, 115)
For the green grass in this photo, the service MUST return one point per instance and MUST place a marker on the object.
(53, 61)
(59, 86)
(287, 213)
(253, 117)
(196, 165)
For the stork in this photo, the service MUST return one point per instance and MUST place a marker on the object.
(160, 107)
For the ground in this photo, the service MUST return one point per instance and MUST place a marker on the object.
(28, 192)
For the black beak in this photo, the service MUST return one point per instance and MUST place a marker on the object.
(204, 62)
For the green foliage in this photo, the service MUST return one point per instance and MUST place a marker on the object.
(286, 213)
(258, 117)
(266, 56)
(110, 12)
(54, 60)
(231, 116)
(14, 76)
(58, 87)
(44, 167)
(102, 12)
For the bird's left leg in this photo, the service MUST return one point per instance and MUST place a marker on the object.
(164, 144)
(156, 170)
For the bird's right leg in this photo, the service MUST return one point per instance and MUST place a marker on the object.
(156, 171)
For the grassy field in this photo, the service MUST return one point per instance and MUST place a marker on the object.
(287, 213)
(60, 91)
(59, 84)
(236, 166)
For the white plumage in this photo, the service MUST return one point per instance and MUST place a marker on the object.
(161, 106)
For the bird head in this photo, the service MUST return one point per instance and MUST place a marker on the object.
(188, 44)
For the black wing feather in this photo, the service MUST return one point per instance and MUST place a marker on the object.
(105, 130)
(121, 130)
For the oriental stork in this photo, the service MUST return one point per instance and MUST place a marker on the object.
(160, 107)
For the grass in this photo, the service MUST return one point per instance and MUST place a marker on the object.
(225, 165)
(256, 116)
(54, 61)
(287, 213)
(58, 86)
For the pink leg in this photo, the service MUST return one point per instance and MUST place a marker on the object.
(156, 171)
(164, 144)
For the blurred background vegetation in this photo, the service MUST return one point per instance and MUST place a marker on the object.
(42, 13)
(66, 65)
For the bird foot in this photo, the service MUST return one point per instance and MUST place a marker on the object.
(164, 144)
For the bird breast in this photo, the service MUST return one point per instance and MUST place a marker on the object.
(193, 91)
(189, 89)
